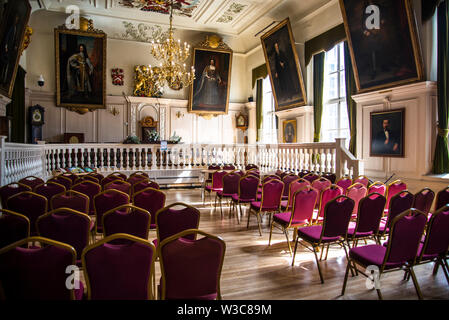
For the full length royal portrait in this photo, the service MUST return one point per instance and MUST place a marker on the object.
(80, 69)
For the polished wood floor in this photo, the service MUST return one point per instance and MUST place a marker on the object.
(253, 270)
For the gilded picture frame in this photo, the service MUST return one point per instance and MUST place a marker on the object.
(289, 131)
(14, 19)
(283, 67)
(383, 43)
(72, 92)
(209, 92)
(387, 133)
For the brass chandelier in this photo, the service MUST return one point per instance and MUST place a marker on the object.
(172, 54)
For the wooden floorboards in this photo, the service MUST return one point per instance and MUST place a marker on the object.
(253, 270)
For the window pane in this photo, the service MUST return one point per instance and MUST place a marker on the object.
(342, 84)
(332, 87)
(342, 56)
(331, 60)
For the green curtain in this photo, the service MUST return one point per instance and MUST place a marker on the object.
(259, 102)
(258, 73)
(324, 42)
(441, 159)
(351, 90)
(318, 85)
(16, 109)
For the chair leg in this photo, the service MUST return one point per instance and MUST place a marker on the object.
(346, 279)
(259, 222)
(443, 266)
(221, 207)
(347, 258)
(271, 232)
(237, 213)
(435, 269)
(249, 215)
(288, 241)
(379, 294)
(327, 251)
(294, 252)
(321, 255)
(318, 264)
(415, 283)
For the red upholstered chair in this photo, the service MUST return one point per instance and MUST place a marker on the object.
(217, 183)
(143, 184)
(66, 182)
(119, 185)
(230, 188)
(286, 205)
(90, 189)
(67, 226)
(356, 192)
(70, 199)
(171, 221)
(337, 214)
(370, 211)
(398, 254)
(265, 179)
(119, 267)
(97, 175)
(191, 269)
(119, 175)
(151, 200)
(49, 189)
(71, 176)
(247, 191)
(423, 200)
(13, 227)
(363, 180)
(394, 188)
(31, 205)
(228, 167)
(31, 181)
(442, 198)
(109, 179)
(90, 178)
(105, 201)
(311, 177)
(128, 219)
(139, 173)
(251, 166)
(301, 214)
(320, 185)
(377, 187)
(38, 273)
(287, 179)
(327, 195)
(10, 190)
(345, 183)
(270, 202)
(303, 173)
(135, 178)
(332, 177)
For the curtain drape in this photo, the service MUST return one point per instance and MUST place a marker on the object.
(351, 90)
(428, 8)
(16, 109)
(259, 73)
(324, 42)
(441, 158)
(318, 85)
(259, 102)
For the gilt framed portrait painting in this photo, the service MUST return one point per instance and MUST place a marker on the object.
(387, 133)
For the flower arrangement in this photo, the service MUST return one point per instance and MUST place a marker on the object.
(131, 140)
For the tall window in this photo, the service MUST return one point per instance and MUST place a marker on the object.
(335, 122)
(269, 132)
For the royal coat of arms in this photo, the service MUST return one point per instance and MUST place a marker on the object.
(118, 76)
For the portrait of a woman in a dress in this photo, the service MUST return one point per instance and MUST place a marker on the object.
(208, 92)
(79, 73)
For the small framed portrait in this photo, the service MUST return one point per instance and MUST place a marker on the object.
(289, 131)
(283, 67)
(209, 92)
(80, 68)
(242, 122)
(383, 42)
(14, 19)
(387, 133)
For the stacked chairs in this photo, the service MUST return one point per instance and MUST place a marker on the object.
(13, 227)
(49, 189)
(230, 188)
(29, 204)
(38, 273)
(151, 200)
(247, 191)
(377, 187)
(217, 183)
(71, 199)
(90, 189)
(119, 271)
(119, 185)
(345, 183)
(31, 181)
(143, 184)
(191, 269)
(286, 205)
(66, 182)
(398, 254)
(394, 188)
(327, 195)
(423, 200)
(336, 217)
(105, 201)
(303, 204)
(11, 189)
(128, 219)
(356, 192)
(442, 198)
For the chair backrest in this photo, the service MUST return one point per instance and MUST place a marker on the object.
(437, 235)
(228, 167)
(151, 200)
(345, 183)
(287, 180)
(119, 271)
(248, 186)
(139, 186)
(303, 173)
(71, 199)
(119, 185)
(191, 269)
(30, 204)
(423, 200)
(356, 192)
(394, 188)
(139, 173)
(405, 235)
(31, 181)
(133, 179)
(217, 179)
(377, 187)
(90, 178)
(119, 175)
(67, 226)
(239, 172)
(214, 167)
(442, 198)
(304, 201)
(251, 166)
(105, 201)
(36, 273)
(11, 189)
(270, 177)
(13, 227)
(295, 186)
(332, 177)
(337, 215)
(70, 176)
(97, 175)
(110, 178)
(66, 182)
(363, 180)
(321, 184)
(311, 177)
(90, 189)
(49, 189)
(327, 195)
(399, 203)
(231, 183)
(253, 173)
(272, 194)
(128, 219)
(171, 221)
(370, 211)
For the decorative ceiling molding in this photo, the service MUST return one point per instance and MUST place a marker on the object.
(232, 12)
(181, 7)
(141, 32)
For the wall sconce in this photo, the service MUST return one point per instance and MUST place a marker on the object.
(114, 111)
(41, 81)
(179, 114)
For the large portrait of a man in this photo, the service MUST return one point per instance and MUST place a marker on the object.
(14, 19)
(283, 67)
(383, 43)
(387, 133)
(80, 69)
(209, 92)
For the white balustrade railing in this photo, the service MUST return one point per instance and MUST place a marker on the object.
(21, 160)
